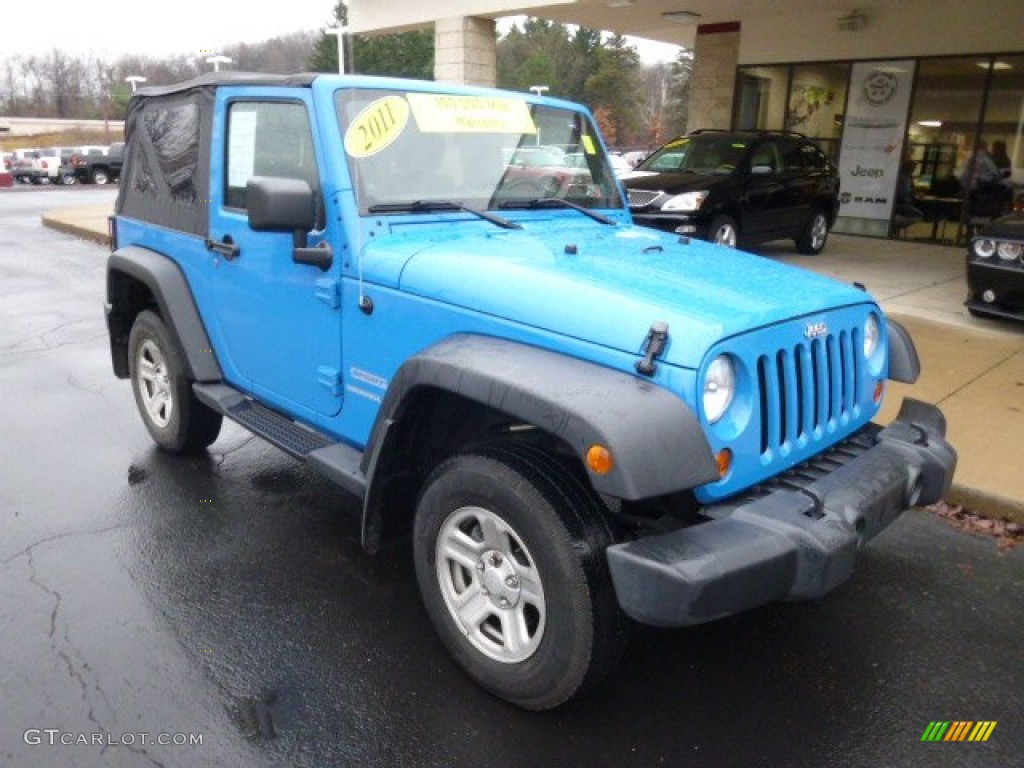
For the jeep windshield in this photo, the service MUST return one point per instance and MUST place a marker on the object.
(708, 154)
(481, 152)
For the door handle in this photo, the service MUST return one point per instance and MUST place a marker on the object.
(226, 247)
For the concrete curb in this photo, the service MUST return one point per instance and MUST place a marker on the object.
(85, 232)
(986, 504)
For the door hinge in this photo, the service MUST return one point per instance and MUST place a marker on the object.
(330, 378)
(328, 290)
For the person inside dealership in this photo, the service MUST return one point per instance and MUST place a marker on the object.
(988, 188)
(905, 212)
(1000, 157)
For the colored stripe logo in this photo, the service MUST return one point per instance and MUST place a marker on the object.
(958, 730)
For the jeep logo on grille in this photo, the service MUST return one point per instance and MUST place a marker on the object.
(815, 330)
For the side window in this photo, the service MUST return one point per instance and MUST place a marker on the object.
(268, 138)
(794, 158)
(766, 155)
(814, 157)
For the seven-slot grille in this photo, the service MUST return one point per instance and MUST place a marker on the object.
(805, 388)
(638, 198)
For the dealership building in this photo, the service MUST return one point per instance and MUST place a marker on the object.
(875, 82)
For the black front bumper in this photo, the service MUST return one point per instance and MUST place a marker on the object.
(1005, 281)
(794, 539)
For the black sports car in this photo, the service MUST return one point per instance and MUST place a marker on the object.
(995, 270)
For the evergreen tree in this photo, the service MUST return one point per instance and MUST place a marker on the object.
(615, 86)
(409, 54)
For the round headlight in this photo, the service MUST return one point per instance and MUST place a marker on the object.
(983, 249)
(688, 201)
(719, 387)
(872, 336)
(1009, 251)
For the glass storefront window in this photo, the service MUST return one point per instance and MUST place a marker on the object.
(1002, 126)
(944, 117)
(817, 99)
(761, 98)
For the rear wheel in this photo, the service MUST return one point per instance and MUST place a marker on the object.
(510, 557)
(815, 233)
(100, 176)
(723, 231)
(175, 418)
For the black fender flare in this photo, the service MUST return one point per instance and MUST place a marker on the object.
(173, 296)
(904, 364)
(655, 438)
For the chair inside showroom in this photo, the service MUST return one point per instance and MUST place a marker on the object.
(984, 205)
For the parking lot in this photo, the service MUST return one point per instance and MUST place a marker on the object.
(228, 596)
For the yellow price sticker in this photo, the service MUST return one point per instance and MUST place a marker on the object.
(588, 145)
(449, 113)
(376, 126)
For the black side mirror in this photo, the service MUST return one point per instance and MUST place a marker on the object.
(279, 205)
(287, 205)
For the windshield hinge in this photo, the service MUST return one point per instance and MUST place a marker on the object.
(330, 378)
(654, 345)
(328, 290)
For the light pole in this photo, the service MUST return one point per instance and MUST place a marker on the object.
(217, 61)
(540, 90)
(134, 80)
(339, 32)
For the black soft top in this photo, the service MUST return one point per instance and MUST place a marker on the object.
(228, 77)
(168, 129)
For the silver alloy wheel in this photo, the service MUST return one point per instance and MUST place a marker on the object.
(726, 235)
(819, 231)
(490, 583)
(154, 384)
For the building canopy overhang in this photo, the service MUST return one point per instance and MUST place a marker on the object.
(773, 30)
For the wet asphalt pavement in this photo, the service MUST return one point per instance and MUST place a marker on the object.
(228, 597)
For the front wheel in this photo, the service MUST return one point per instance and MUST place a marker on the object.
(723, 231)
(814, 235)
(174, 416)
(510, 558)
(100, 176)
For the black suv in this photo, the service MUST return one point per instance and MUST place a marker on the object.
(738, 186)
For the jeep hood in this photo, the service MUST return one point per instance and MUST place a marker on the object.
(605, 285)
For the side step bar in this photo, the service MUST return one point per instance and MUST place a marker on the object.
(338, 462)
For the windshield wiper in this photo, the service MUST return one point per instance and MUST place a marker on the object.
(557, 202)
(422, 206)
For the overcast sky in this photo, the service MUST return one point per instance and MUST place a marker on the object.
(109, 28)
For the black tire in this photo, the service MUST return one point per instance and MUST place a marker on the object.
(68, 179)
(814, 235)
(99, 176)
(723, 231)
(176, 419)
(556, 530)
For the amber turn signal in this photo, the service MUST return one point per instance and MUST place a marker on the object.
(600, 460)
(879, 391)
(724, 461)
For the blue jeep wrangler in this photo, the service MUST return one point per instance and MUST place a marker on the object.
(578, 422)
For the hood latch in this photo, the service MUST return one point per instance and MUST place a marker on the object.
(654, 344)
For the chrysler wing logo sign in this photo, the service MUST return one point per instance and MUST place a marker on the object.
(878, 87)
(815, 330)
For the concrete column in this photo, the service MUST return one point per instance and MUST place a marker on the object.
(715, 56)
(465, 51)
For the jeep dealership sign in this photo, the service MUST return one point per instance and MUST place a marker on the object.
(869, 160)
